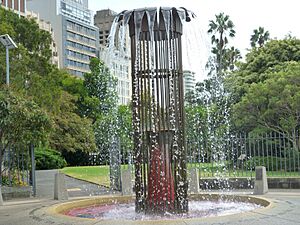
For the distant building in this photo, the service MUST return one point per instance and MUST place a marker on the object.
(103, 20)
(43, 25)
(76, 37)
(189, 81)
(16, 5)
(119, 63)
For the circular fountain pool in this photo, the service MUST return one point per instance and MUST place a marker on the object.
(122, 208)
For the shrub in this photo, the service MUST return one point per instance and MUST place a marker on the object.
(270, 162)
(46, 159)
(292, 158)
(77, 158)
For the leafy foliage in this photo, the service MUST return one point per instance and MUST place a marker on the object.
(273, 104)
(41, 100)
(100, 104)
(259, 37)
(265, 89)
(47, 159)
(72, 133)
(21, 120)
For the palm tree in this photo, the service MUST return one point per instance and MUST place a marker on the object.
(260, 37)
(232, 56)
(220, 29)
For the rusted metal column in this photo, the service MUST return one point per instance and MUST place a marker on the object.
(158, 115)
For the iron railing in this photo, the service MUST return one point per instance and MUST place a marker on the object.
(238, 155)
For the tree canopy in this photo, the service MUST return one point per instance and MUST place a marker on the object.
(40, 104)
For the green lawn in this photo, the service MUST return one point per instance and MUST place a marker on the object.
(95, 174)
(100, 174)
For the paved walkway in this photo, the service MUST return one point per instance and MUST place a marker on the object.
(76, 188)
(285, 208)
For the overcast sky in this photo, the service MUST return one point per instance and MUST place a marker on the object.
(277, 16)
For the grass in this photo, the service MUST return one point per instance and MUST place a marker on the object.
(100, 174)
(95, 174)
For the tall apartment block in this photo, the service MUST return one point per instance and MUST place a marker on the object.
(76, 37)
(119, 63)
(189, 81)
(19, 7)
(16, 5)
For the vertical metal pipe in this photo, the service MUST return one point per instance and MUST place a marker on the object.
(7, 66)
(280, 152)
(284, 153)
(254, 151)
(33, 169)
(271, 152)
(250, 154)
(9, 165)
(19, 7)
(1, 153)
(276, 145)
(268, 168)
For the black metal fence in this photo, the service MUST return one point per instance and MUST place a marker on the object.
(17, 166)
(238, 155)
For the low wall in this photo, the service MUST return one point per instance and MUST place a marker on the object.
(15, 192)
(248, 183)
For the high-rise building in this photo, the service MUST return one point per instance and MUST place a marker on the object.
(17, 5)
(118, 62)
(46, 25)
(76, 37)
(43, 25)
(189, 81)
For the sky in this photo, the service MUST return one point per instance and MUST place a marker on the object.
(277, 16)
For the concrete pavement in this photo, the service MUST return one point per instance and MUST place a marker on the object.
(285, 208)
(76, 188)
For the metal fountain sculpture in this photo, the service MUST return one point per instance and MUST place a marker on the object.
(158, 101)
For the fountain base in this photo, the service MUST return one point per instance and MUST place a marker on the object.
(121, 208)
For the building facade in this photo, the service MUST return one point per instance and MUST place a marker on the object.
(46, 25)
(16, 5)
(43, 25)
(189, 81)
(118, 62)
(76, 37)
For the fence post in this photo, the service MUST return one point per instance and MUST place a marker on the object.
(1, 153)
(261, 182)
(33, 169)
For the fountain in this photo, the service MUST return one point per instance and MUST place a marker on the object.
(158, 121)
(158, 118)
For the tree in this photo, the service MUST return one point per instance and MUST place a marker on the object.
(258, 63)
(259, 37)
(273, 104)
(71, 132)
(50, 90)
(34, 43)
(220, 29)
(125, 131)
(233, 55)
(102, 101)
(21, 120)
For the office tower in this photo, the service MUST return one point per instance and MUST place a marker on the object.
(189, 81)
(76, 37)
(16, 5)
(43, 25)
